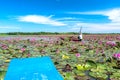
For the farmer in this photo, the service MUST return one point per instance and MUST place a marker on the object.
(80, 37)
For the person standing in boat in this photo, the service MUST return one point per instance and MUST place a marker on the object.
(80, 37)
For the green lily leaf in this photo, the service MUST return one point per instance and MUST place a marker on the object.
(98, 75)
(2, 74)
(91, 63)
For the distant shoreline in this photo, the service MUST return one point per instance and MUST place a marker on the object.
(52, 33)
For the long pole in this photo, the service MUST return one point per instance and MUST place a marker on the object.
(80, 30)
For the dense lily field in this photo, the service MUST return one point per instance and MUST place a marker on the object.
(97, 57)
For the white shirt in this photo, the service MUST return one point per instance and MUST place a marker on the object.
(80, 36)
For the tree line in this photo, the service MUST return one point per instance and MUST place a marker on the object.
(49, 33)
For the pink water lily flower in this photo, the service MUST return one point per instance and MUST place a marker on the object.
(111, 43)
(22, 49)
(4, 46)
(116, 55)
(77, 54)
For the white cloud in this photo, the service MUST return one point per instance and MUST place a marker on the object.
(112, 14)
(9, 27)
(66, 18)
(97, 27)
(40, 20)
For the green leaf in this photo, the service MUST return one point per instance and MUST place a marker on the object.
(91, 63)
(2, 74)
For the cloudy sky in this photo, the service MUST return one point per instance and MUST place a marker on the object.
(95, 16)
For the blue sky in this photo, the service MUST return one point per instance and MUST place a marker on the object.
(95, 16)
